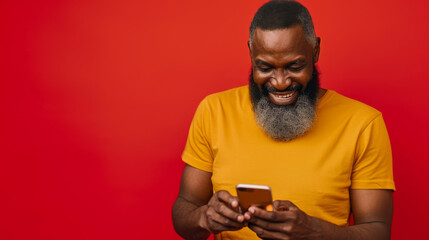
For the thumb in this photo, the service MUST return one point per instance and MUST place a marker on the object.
(280, 205)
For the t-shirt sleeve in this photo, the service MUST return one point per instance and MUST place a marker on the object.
(373, 166)
(198, 151)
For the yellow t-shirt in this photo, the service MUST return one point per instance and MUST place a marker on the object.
(346, 148)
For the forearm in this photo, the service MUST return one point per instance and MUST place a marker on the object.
(363, 231)
(187, 220)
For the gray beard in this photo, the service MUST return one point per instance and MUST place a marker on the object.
(285, 123)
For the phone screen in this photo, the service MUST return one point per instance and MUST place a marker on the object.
(256, 195)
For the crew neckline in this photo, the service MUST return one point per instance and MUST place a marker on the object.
(322, 101)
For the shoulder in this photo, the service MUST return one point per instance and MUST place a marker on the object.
(227, 95)
(339, 108)
(229, 98)
(340, 102)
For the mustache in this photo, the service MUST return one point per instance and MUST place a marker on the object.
(288, 89)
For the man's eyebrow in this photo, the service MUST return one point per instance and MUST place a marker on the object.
(297, 61)
(261, 62)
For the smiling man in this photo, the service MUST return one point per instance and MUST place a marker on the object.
(284, 81)
(324, 156)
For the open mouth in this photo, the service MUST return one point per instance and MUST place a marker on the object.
(283, 98)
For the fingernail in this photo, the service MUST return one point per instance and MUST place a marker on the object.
(234, 203)
(252, 210)
(240, 218)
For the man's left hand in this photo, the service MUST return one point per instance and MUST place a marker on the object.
(287, 221)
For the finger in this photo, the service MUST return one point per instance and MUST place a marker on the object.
(228, 199)
(247, 215)
(267, 234)
(222, 209)
(284, 227)
(215, 227)
(272, 216)
(283, 205)
(217, 219)
(232, 203)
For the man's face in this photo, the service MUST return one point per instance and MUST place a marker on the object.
(284, 82)
(282, 60)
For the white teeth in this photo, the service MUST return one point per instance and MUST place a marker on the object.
(284, 96)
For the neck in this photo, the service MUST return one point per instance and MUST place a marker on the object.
(321, 93)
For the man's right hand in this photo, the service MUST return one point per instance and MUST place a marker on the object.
(198, 212)
(222, 213)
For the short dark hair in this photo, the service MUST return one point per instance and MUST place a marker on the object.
(283, 14)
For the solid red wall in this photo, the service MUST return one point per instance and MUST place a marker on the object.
(96, 98)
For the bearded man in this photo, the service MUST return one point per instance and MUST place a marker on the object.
(324, 156)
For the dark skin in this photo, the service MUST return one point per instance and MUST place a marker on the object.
(283, 58)
(198, 212)
(280, 58)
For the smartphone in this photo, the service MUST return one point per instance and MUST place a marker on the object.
(257, 195)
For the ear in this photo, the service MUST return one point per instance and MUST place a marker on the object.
(250, 50)
(316, 50)
(248, 46)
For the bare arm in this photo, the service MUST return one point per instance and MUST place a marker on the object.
(372, 212)
(195, 191)
(197, 212)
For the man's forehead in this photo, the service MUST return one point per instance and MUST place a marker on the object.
(285, 38)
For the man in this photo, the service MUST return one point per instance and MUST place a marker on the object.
(323, 155)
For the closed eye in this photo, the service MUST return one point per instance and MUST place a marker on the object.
(296, 68)
(264, 68)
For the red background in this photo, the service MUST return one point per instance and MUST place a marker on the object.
(96, 98)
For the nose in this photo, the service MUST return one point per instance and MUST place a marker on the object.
(281, 80)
